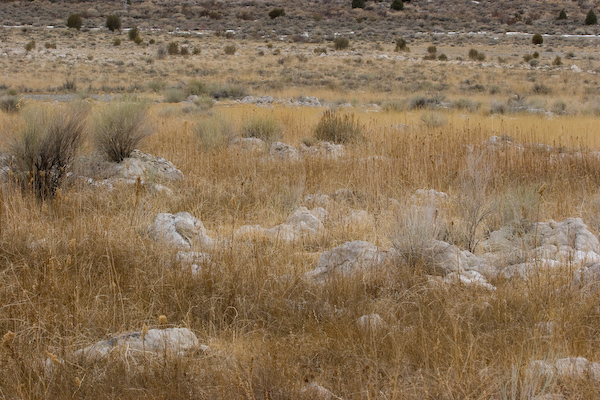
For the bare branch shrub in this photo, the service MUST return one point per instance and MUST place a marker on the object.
(119, 128)
(45, 145)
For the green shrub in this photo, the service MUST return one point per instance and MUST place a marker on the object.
(591, 18)
(230, 49)
(267, 129)
(562, 14)
(119, 127)
(30, 45)
(173, 49)
(45, 146)
(133, 33)
(117, 42)
(214, 132)
(138, 40)
(50, 45)
(184, 51)
(196, 88)
(476, 55)
(74, 21)
(358, 4)
(151, 41)
(537, 39)
(401, 45)
(341, 43)
(443, 57)
(557, 61)
(276, 13)
(338, 128)
(397, 5)
(113, 23)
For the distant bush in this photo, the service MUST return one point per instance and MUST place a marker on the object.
(267, 129)
(119, 128)
(431, 53)
(133, 33)
(74, 21)
(276, 13)
(45, 146)
(420, 102)
(540, 88)
(358, 4)
(113, 23)
(10, 103)
(338, 128)
(401, 45)
(341, 43)
(173, 49)
(30, 45)
(562, 14)
(50, 45)
(476, 55)
(591, 18)
(443, 57)
(174, 96)
(117, 42)
(227, 91)
(397, 5)
(230, 49)
(214, 132)
(184, 51)
(138, 39)
(537, 39)
(557, 61)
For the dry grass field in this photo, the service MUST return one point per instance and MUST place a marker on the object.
(447, 249)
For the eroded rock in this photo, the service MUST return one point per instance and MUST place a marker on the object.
(180, 230)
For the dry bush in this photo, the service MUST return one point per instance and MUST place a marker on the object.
(265, 128)
(119, 128)
(338, 128)
(214, 131)
(45, 144)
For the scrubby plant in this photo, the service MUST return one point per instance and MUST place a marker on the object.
(401, 45)
(431, 53)
(119, 127)
(341, 43)
(227, 91)
(591, 18)
(276, 13)
(537, 39)
(338, 128)
(557, 61)
(30, 45)
(214, 132)
(397, 5)
(196, 88)
(184, 51)
(562, 14)
(113, 22)
(443, 57)
(50, 45)
(265, 128)
(117, 42)
(74, 21)
(45, 145)
(174, 96)
(476, 55)
(230, 49)
(173, 49)
(138, 40)
(10, 103)
(358, 3)
(133, 33)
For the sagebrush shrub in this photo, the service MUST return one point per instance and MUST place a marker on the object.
(591, 18)
(230, 49)
(338, 128)
(537, 39)
(113, 23)
(30, 45)
(133, 33)
(341, 43)
(276, 13)
(45, 145)
(119, 127)
(397, 5)
(173, 49)
(74, 21)
(214, 132)
(265, 128)
(401, 45)
(10, 103)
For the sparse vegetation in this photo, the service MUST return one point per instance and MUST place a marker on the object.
(119, 127)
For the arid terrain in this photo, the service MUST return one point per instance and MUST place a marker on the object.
(333, 203)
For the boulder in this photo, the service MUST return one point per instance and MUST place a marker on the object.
(146, 167)
(283, 151)
(172, 341)
(566, 368)
(349, 258)
(322, 149)
(180, 230)
(469, 278)
(358, 219)
(567, 235)
(249, 145)
(192, 259)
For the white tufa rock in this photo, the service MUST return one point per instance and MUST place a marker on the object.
(370, 322)
(180, 230)
(349, 258)
(172, 341)
(145, 166)
(322, 149)
(249, 145)
(283, 151)
(566, 368)
(469, 278)
(192, 259)
(359, 219)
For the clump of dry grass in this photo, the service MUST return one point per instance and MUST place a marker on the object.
(119, 127)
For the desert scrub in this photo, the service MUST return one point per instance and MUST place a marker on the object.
(341, 43)
(174, 96)
(214, 132)
(230, 49)
(74, 21)
(113, 23)
(45, 144)
(338, 128)
(119, 127)
(265, 128)
(10, 103)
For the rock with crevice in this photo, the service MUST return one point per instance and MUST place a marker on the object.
(283, 151)
(181, 230)
(171, 341)
(350, 258)
(146, 167)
